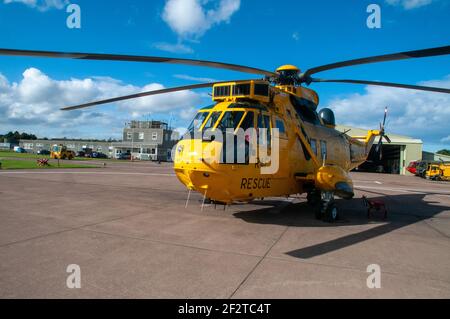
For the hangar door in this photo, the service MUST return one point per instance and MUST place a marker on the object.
(390, 163)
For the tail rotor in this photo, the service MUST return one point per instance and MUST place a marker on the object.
(379, 147)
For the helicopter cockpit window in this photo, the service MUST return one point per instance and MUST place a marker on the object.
(230, 119)
(198, 121)
(248, 121)
(212, 120)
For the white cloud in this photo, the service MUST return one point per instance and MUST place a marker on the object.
(409, 4)
(445, 139)
(193, 78)
(191, 18)
(420, 114)
(35, 101)
(296, 36)
(173, 48)
(41, 5)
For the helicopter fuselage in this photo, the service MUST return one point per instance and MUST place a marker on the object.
(311, 154)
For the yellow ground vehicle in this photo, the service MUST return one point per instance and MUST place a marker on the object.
(439, 172)
(61, 152)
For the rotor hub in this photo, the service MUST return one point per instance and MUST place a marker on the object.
(288, 75)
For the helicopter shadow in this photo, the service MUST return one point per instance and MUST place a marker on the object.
(352, 212)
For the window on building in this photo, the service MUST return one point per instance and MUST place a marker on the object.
(129, 135)
(154, 136)
(141, 135)
(39, 145)
(28, 146)
(153, 151)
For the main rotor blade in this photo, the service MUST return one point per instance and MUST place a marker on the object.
(396, 85)
(381, 58)
(384, 118)
(147, 93)
(134, 58)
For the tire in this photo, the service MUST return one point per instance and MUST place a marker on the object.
(331, 213)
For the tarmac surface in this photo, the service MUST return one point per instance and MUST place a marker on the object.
(127, 228)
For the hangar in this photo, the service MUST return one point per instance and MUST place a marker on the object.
(396, 155)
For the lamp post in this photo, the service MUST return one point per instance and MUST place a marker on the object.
(132, 141)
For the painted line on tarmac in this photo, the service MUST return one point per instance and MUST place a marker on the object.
(91, 173)
(405, 190)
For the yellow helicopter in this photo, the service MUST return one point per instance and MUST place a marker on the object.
(264, 137)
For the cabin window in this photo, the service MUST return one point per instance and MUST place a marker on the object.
(230, 119)
(264, 122)
(314, 146)
(323, 149)
(279, 124)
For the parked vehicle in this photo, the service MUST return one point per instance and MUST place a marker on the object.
(438, 172)
(99, 155)
(43, 152)
(124, 156)
(412, 167)
(87, 152)
(61, 152)
(18, 149)
(80, 154)
(421, 168)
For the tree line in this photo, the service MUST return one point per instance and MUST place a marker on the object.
(15, 137)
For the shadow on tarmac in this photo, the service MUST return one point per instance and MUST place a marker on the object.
(403, 210)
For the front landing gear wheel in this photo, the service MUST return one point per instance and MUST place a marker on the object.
(324, 208)
(331, 213)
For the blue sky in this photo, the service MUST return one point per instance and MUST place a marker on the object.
(262, 34)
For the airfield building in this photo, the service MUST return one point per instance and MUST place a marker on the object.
(145, 140)
(151, 140)
(396, 155)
